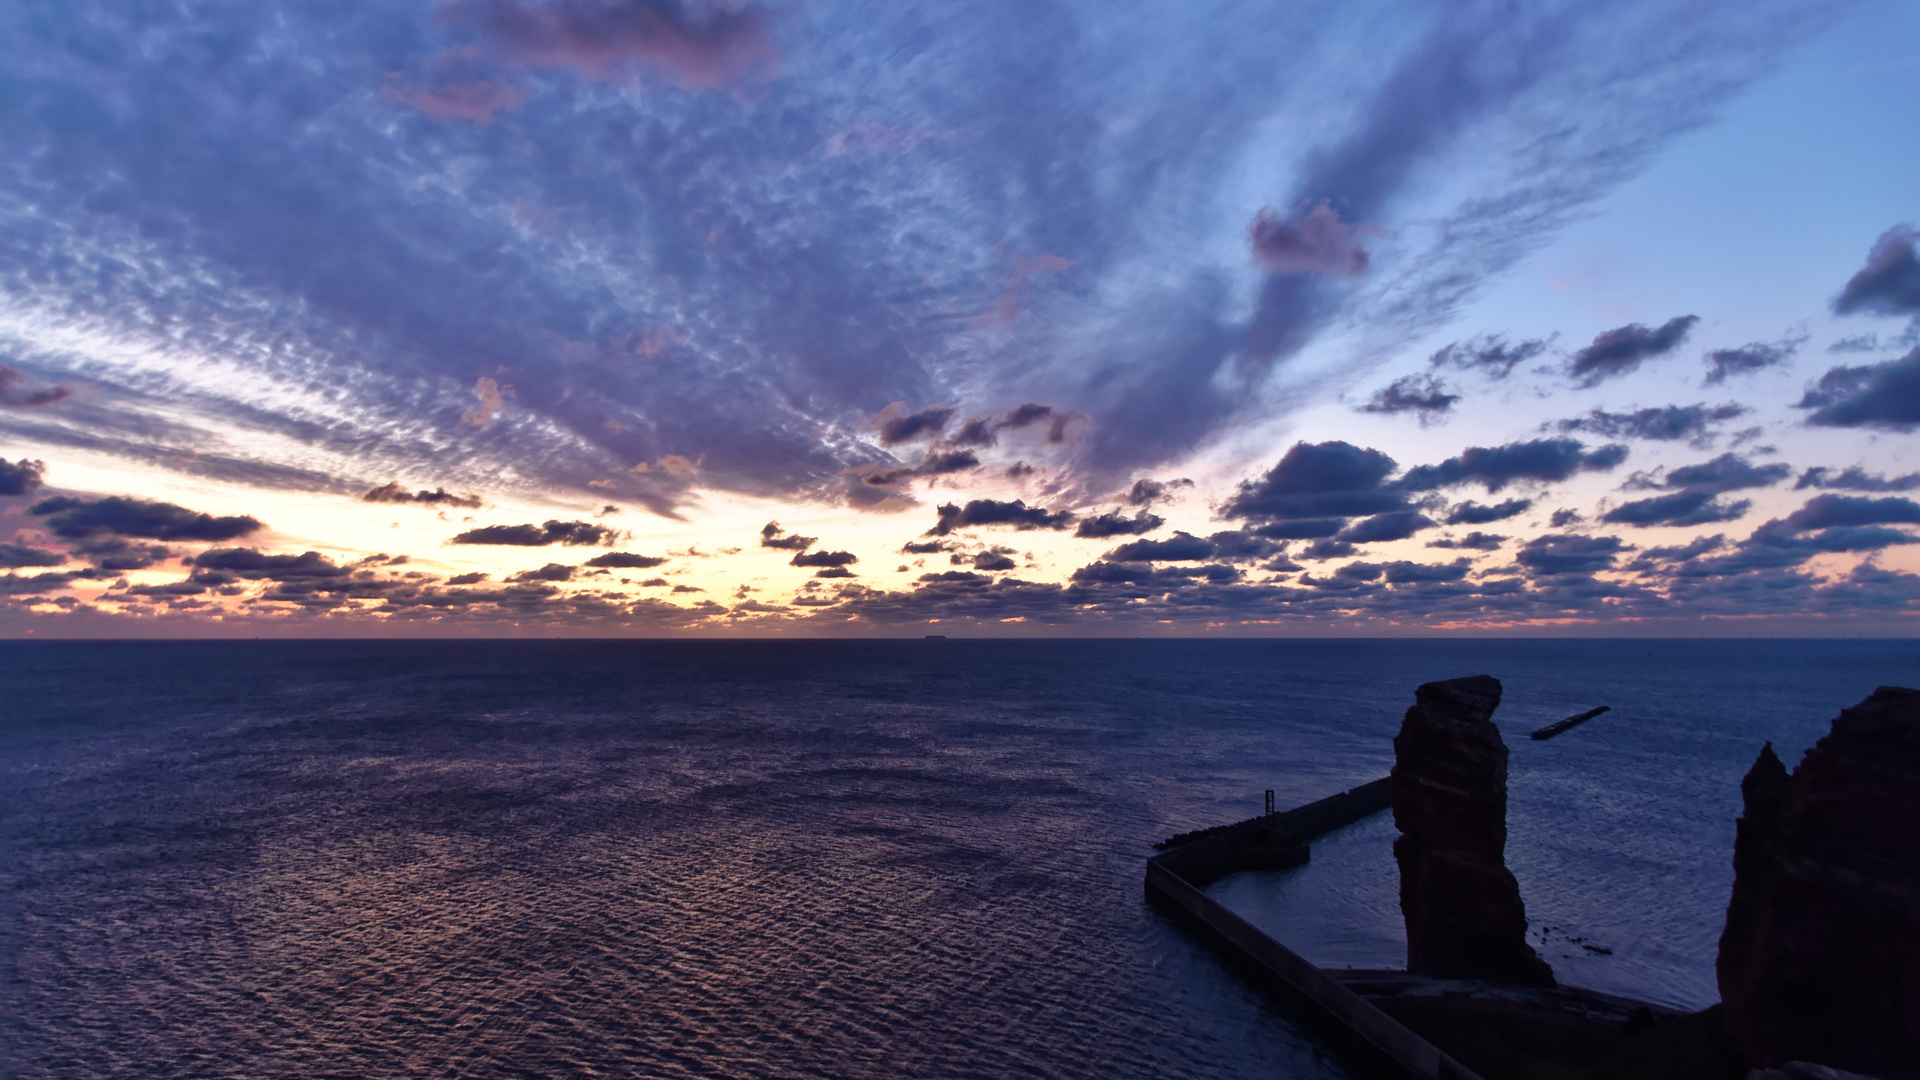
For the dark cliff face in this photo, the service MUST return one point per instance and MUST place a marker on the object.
(1462, 906)
(1821, 957)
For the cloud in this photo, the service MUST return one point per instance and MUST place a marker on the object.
(1180, 547)
(1876, 395)
(572, 533)
(928, 548)
(1890, 282)
(1381, 528)
(1564, 554)
(1422, 394)
(1488, 355)
(1115, 523)
(994, 512)
(1664, 423)
(1318, 481)
(1145, 493)
(896, 426)
(620, 560)
(1826, 511)
(14, 555)
(549, 572)
(1855, 479)
(392, 492)
(1620, 351)
(1728, 472)
(1679, 508)
(1695, 502)
(20, 477)
(1496, 467)
(824, 558)
(1316, 242)
(700, 46)
(1407, 573)
(1473, 541)
(219, 565)
(81, 519)
(993, 560)
(770, 537)
(1564, 517)
(1472, 513)
(457, 85)
(1756, 356)
(14, 393)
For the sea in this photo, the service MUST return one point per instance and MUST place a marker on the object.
(835, 859)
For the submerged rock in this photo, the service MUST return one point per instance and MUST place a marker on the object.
(1461, 903)
(1820, 961)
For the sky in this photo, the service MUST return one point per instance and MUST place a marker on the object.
(643, 318)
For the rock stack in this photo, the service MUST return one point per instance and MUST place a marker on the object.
(1821, 956)
(1461, 903)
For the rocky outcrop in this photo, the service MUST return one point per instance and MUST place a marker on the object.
(1821, 957)
(1756, 869)
(1462, 906)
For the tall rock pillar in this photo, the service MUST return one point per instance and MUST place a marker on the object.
(1462, 906)
(1821, 956)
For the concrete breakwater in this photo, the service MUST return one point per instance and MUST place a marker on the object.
(1277, 841)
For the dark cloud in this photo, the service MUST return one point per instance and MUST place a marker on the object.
(928, 548)
(1115, 523)
(15, 394)
(1825, 511)
(1565, 554)
(1180, 547)
(1694, 502)
(1381, 528)
(471, 579)
(620, 560)
(1491, 356)
(1241, 546)
(1878, 395)
(770, 537)
(1890, 282)
(699, 46)
(897, 427)
(1472, 513)
(1422, 394)
(1620, 351)
(936, 463)
(1664, 423)
(1757, 356)
(1318, 480)
(82, 519)
(1496, 467)
(824, 558)
(1728, 472)
(1328, 548)
(1313, 242)
(1680, 508)
(572, 533)
(21, 477)
(993, 560)
(217, 565)
(1564, 517)
(1658, 556)
(392, 492)
(550, 572)
(1146, 493)
(994, 512)
(1406, 573)
(1473, 541)
(13, 555)
(1855, 479)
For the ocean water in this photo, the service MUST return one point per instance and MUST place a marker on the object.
(800, 859)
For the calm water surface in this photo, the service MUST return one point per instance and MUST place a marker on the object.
(865, 859)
